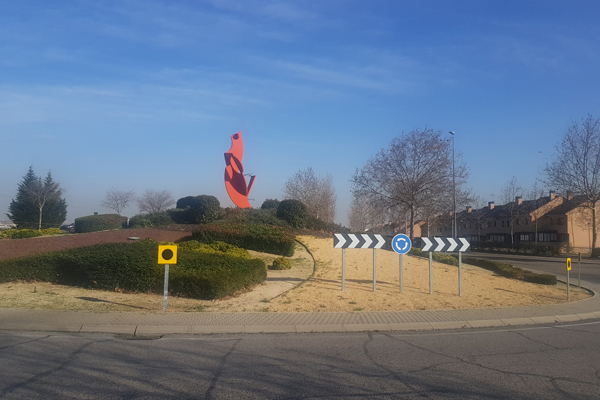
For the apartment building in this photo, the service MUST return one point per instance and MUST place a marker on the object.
(550, 220)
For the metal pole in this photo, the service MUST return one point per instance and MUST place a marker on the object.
(166, 291)
(374, 269)
(579, 272)
(568, 285)
(430, 273)
(401, 268)
(455, 231)
(459, 273)
(343, 269)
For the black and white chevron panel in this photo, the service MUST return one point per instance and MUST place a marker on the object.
(444, 244)
(357, 241)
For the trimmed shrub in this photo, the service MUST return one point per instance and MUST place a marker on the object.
(263, 238)
(28, 233)
(201, 209)
(510, 271)
(185, 202)
(250, 216)
(215, 248)
(270, 204)
(293, 212)
(101, 222)
(154, 219)
(181, 216)
(281, 263)
(133, 266)
(213, 276)
(206, 209)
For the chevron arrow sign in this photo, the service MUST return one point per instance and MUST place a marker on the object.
(357, 241)
(444, 244)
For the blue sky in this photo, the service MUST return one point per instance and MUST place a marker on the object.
(137, 95)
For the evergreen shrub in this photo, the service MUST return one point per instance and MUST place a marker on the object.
(153, 219)
(134, 267)
(293, 212)
(281, 263)
(263, 238)
(270, 204)
(101, 222)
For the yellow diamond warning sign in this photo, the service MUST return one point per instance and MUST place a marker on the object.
(167, 254)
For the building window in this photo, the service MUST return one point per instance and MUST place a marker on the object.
(547, 237)
(503, 224)
(524, 237)
(508, 223)
(551, 221)
(518, 222)
(495, 224)
(497, 238)
(560, 221)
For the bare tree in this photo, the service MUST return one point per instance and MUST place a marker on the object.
(117, 200)
(154, 201)
(416, 168)
(536, 197)
(365, 213)
(315, 192)
(577, 167)
(511, 191)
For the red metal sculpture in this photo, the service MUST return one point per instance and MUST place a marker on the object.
(235, 180)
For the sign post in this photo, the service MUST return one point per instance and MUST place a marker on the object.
(401, 245)
(358, 241)
(167, 254)
(579, 272)
(458, 245)
(568, 283)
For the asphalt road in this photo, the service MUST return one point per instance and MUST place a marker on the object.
(590, 269)
(542, 362)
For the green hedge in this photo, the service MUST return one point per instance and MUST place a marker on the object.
(506, 270)
(101, 222)
(214, 276)
(134, 267)
(510, 271)
(263, 238)
(28, 233)
(151, 219)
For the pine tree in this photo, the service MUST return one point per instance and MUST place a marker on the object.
(38, 203)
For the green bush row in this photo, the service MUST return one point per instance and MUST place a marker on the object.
(439, 257)
(525, 248)
(152, 219)
(134, 267)
(505, 270)
(99, 222)
(28, 233)
(510, 271)
(263, 238)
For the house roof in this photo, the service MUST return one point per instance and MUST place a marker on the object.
(568, 205)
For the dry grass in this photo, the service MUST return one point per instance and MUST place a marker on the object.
(481, 288)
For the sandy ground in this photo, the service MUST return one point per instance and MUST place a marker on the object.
(291, 291)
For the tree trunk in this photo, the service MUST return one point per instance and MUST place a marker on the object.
(40, 220)
(412, 222)
(594, 232)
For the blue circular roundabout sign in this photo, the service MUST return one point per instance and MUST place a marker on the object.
(401, 243)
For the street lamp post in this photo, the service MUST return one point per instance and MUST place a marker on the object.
(455, 230)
